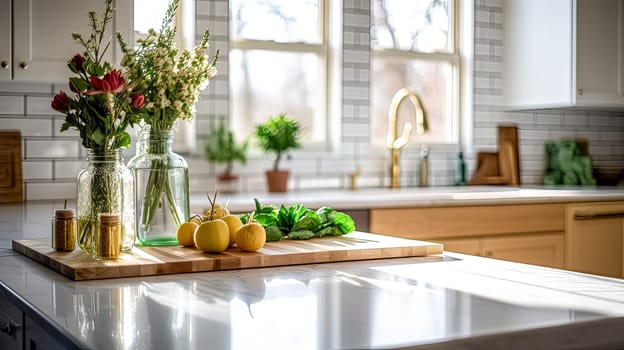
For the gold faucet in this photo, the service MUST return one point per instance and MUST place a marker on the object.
(396, 143)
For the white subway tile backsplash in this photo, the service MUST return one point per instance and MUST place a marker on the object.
(68, 169)
(50, 190)
(28, 127)
(13, 105)
(356, 56)
(221, 8)
(356, 92)
(356, 130)
(37, 170)
(24, 88)
(488, 33)
(202, 8)
(52, 148)
(575, 119)
(38, 105)
(356, 20)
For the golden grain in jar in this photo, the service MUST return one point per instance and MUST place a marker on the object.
(109, 236)
(64, 230)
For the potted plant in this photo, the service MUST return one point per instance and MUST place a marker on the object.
(278, 134)
(221, 147)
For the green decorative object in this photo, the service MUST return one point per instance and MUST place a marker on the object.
(568, 163)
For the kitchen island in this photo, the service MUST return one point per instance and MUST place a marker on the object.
(436, 302)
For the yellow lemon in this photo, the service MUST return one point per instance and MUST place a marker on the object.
(234, 223)
(212, 236)
(250, 237)
(218, 213)
(186, 232)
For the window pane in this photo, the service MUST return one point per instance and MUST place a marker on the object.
(285, 21)
(149, 14)
(417, 25)
(265, 83)
(430, 81)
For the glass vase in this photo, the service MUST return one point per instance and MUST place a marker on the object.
(162, 182)
(105, 185)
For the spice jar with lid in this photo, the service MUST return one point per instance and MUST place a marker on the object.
(109, 236)
(64, 230)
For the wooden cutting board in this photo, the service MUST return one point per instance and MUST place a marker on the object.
(146, 261)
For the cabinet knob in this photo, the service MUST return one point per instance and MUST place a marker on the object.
(24, 65)
(7, 328)
(4, 64)
(488, 253)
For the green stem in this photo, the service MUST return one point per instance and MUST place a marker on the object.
(157, 184)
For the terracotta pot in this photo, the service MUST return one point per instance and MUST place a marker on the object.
(277, 180)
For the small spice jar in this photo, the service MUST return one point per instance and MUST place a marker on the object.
(109, 236)
(64, 230)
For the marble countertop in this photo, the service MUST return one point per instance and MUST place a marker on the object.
(436, 302)
(414, 197)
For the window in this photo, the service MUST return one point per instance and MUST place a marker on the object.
(414, 45)
(278, 64)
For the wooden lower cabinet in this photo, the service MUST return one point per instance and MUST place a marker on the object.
(595, 238)
(535, 249)
(527, 233)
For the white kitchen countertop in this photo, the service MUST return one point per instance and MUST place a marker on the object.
(448, 301)
(412, 197)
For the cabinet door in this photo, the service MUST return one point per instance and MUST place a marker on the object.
(35, 338)
(534, 249)
(471, 246)
(595, 238)
(11, 325)
(5, 40)
(600, 59)
(42, 37)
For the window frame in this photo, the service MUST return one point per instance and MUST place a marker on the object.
(321, 50)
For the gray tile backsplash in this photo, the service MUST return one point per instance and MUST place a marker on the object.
(52, 159)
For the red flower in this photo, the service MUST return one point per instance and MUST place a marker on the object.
(76, 64)
(137, 100)
(111, 82)
(60, 102)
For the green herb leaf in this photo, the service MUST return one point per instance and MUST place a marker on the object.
(303, 234)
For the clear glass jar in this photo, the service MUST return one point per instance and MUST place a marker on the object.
(162, 181)
(105, 185)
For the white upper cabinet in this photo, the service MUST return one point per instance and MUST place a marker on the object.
(5, 40)
(42, 36)
(564, 53)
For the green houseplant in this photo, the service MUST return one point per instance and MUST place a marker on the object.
(223, 148)
(278, 135)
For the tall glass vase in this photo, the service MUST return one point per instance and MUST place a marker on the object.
(105, 185)
(162, 181)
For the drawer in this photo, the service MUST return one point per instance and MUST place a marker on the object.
(455, 222)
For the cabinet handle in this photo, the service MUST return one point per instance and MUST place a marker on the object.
(488, 253)
(587, 215)
(580, 92)
(7, 328)
(4, 64)
(24, 65)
